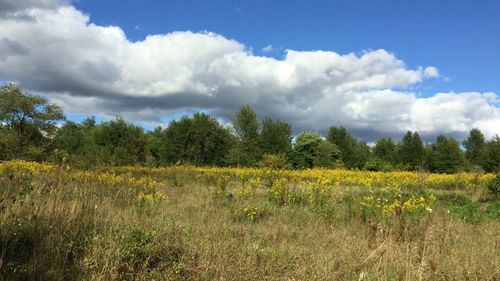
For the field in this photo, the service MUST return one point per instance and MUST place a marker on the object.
(188, 223)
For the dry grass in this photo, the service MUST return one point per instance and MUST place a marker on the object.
(71, 230)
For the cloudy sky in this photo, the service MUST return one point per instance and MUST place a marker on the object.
(379, 68)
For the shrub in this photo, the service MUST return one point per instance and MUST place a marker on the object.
(275, 161)
(494, 186)
(147, 252)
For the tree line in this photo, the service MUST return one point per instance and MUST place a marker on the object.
(32, 128)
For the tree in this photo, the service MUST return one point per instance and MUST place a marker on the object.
(411, 151)
(361, 154)
(246, 151)
(119, 143)
(385, 150)
(28, 123)
(474, 147)
(445, 156)
(310, 150)
(154, 146)
(326, 154)
(354, 154)
(304, 149)
(492, 155)
(345, 142)
(275, 137)
(70, 138)
(197, 140)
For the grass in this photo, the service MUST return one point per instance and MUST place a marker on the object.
(58, 227)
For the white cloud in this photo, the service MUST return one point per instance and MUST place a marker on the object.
(431, 72)
(94, 69)
(268, 48)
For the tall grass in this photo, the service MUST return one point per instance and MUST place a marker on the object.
(58, 225)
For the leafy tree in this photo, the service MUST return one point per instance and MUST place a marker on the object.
(354, 154)
(445, 156)
(198, 140)
(246, 151)
(310, 150)
(119, 143)
(28, 123)
(385, 150)
(154, 147)
(492, 155)
(326, 153)
(70, 138)
(411, 151)
(304, 149)
(345, 142)
(275, 137)
(361, 154)
(474, 147)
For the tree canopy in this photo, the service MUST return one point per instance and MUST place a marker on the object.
(32, 128)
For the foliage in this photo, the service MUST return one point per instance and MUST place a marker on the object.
(197, 140)
(411, 151)
(275, 161)
(494, 185)
(325, 154)
(445, 156)
(346, 143)
(474, 147)
(310, 150)
(275, 137)
(28, 131)
(385, 150)
(246, 126)
(492, 155)
(377, 164)
(28, 124)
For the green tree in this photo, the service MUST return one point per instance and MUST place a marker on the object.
(354, 154)
(345, 142)
(445, 156)
(385, 150)
(246, 151)
(119, 143)
(197, 140)
(304, 149)
(28, 123)
(411, 151)
(326, 154)
(492, 155)
(474, 147)
(275, 137)
(154, 147)
(362, 154)
(70, 138)
(310, 150)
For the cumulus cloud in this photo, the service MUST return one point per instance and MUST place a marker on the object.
(92, 69)
(19, 5)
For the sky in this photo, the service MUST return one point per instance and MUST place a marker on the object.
(379, 68)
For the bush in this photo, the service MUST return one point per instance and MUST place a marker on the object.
(275, 161)
(494, 186)
(376, 164)
(147, 252)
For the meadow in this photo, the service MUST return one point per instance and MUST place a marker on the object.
(194, 223)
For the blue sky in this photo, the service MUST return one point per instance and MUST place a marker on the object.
(461, 38)
(379, 68)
